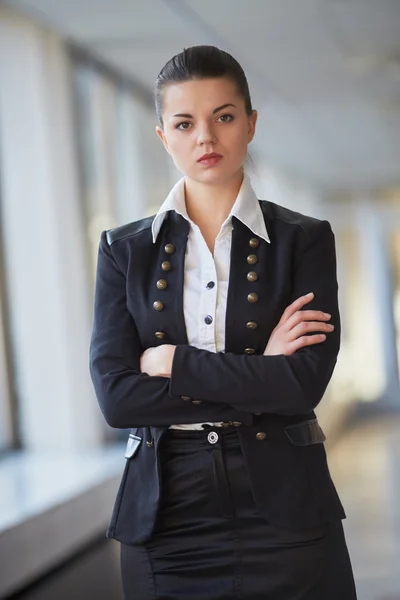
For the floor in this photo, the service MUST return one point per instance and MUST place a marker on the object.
(365, 466)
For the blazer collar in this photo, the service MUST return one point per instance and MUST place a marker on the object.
(246, 208)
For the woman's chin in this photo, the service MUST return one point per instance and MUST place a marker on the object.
(212, 176)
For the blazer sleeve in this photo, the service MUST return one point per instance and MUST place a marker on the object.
(279, 384)
(127, 397)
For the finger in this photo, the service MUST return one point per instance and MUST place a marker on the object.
(309, 327)
(306, 315)
(308, 340)
(295, 306)
(310, 315)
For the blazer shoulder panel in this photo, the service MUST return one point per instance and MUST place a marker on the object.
(273, 211)
(128, 230)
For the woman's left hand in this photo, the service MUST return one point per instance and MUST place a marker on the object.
(157, 361)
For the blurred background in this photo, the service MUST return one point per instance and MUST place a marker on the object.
(79, 154)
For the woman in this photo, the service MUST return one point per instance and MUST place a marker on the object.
(210, 343)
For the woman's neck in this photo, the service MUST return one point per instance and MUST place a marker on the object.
(207, 205)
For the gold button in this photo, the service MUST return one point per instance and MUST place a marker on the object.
(252, 259)
(186, 397)
(197, 401)
(253, 297)
(160, 335)
(161, 284)
(169, 248)
(252, 276)
(166, 265)
(261, 435)
(251, 325)
(237, 423)
(254, 243)
(157, 305)
(249, 351)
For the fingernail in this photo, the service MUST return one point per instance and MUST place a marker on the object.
(310, 294)
(327, 315)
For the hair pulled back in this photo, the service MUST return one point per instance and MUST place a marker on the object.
(200, 62)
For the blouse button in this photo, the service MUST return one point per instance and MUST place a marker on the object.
(162, 284)
(251, 325)
(254, 243)
(160, 335)
(252, 259)
(169, 248)
(166, 265)
(208, 320)
(157, 305)
(261, 435)
(210, 285)
(252, 276)
(252, 298)
(249, 351)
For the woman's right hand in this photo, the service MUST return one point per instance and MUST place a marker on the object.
(288, 336)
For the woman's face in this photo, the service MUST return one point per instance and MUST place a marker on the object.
(205, 116)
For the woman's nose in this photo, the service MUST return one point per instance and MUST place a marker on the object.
(206, 135)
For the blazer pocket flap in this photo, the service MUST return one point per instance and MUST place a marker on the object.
(132, 445)
(305, 433)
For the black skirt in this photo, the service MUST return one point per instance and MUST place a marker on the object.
(211, 543)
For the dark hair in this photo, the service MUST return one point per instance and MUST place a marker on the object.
(201, 62)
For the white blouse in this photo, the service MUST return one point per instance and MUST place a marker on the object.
(206, 276)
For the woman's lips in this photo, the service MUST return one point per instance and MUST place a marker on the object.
(211, 161)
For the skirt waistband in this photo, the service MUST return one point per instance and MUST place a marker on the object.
(195, 439)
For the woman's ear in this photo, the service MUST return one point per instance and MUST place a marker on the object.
(252, 120)
(162, 137)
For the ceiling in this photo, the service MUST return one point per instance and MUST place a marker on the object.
(323, 74)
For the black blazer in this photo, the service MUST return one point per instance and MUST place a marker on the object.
(271, 395)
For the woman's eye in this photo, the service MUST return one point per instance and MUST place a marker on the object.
(226, 118)
(185, 125)
(182, 126)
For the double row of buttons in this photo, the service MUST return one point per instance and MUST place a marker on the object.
(252, 297)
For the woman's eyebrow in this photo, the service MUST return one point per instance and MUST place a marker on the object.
(188, 116)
